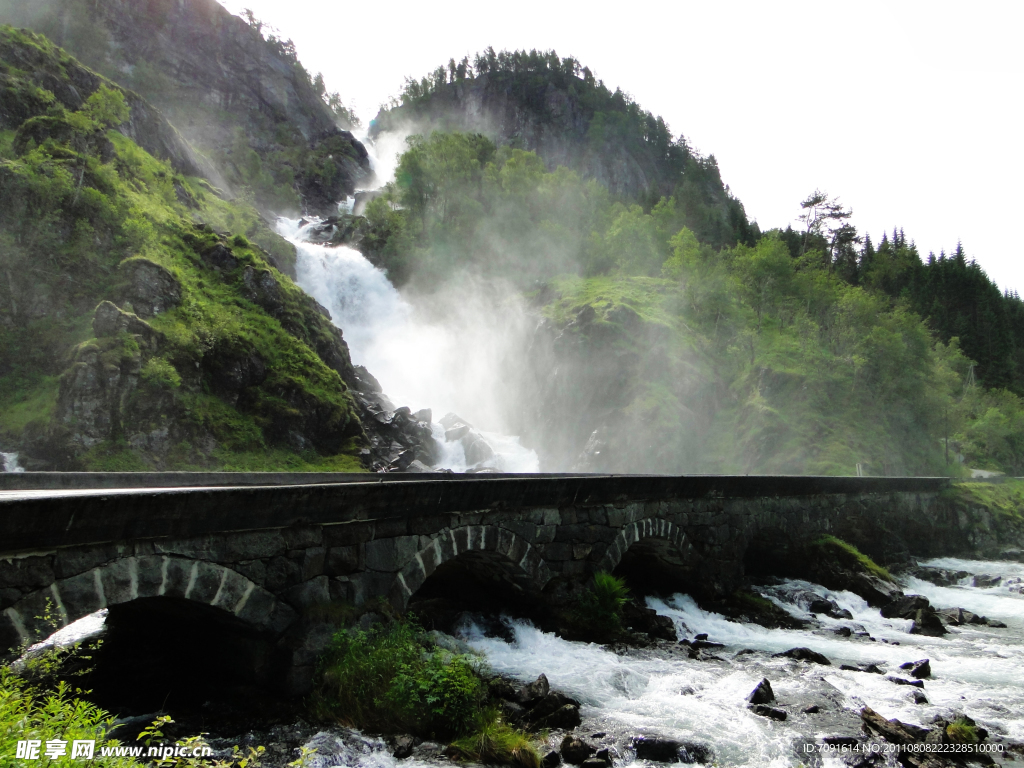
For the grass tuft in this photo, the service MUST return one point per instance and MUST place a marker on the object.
(496, 743)
(833, 543)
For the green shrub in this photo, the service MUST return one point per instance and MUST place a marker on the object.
(598, 613)
(27, 712)
(385, 680)
(159, 372)
(495, 743)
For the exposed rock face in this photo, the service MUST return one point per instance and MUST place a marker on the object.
(398, 438)
(198, 63)
(151, 288)
(72, 84)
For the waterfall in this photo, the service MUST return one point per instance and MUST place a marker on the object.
(442, 352)
(10, 462)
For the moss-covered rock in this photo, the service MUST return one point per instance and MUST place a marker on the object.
(170, 342)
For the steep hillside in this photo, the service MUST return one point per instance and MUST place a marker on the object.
(557, 108)
(142, 323)
(242, 98)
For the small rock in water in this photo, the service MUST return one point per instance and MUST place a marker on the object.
(744, 652)
(904, 681)
(920, 698)
(699, 644)
(803, 654)
(812, 710)
(535, 691)
(661, 750)
(701, 636)
(762, 694)
(843, 631)
(920, 669)
(770, 712)
(564, 718)
(598, 735)
(551, 760)
(403, 745)
(984, 581)
(995, 623)
(905, 607)
(575, 750)
(604, 754)
(594, 762)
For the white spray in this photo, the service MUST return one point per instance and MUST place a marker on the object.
(10, 462)
(444, 351)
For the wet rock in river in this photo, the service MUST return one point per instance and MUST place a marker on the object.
(918, 669)
(904, 681)
(803, 654)
(905, 607)
(551, 759)
(985, 581)
(762, 694)
(574, 750)
(662, 750)
(535, 691)
(770, 712)
(403, 745)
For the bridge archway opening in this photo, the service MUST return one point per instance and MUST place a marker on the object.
(481, 583)
(771, 552)
(197, 662)
(655, 566)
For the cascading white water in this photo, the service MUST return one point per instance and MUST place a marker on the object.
(976, 670)
(448, 360)
(444, 352)
(10, 462)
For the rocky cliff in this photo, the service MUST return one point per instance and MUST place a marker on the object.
(140, 327)
(242, 98)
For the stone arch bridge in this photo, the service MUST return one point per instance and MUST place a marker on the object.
(263, 550)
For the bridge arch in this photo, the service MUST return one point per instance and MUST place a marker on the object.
(648, 528)
(136, 578)
(498, 547)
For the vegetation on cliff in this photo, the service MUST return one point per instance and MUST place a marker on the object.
(266, 126)
(559, 109)
(773, 357)
(132, 335)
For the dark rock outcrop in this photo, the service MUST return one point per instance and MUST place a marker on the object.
(762, 694)
(214, 76)
(574, 750)
(150, 287)
(803, 654)
(918, 669)
(662, 750)
(397, 438)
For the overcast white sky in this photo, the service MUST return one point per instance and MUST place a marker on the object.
(909, 112)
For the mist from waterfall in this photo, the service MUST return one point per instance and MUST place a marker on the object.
(445, 351)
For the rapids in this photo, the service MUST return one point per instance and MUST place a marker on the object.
(977, 671)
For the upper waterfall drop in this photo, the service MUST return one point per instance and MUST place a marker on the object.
(9, 461)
